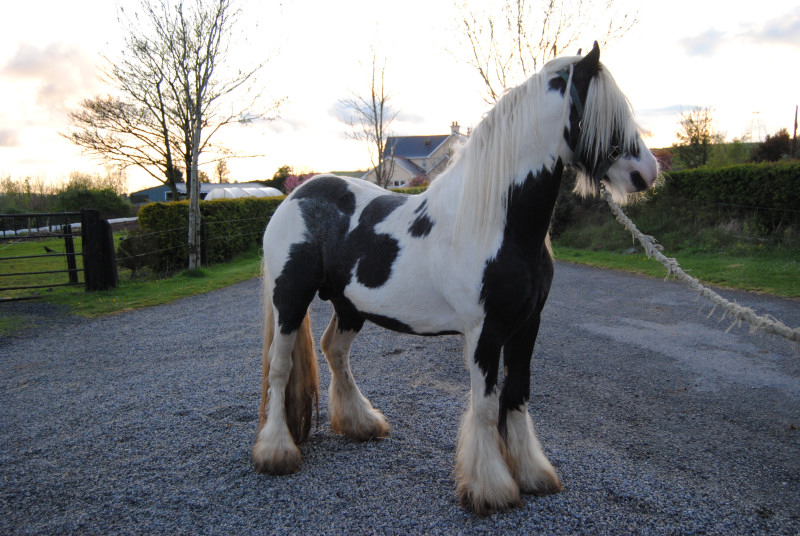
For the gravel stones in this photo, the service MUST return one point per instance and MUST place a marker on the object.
(657, 421)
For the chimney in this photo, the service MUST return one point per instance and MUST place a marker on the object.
(455, 129)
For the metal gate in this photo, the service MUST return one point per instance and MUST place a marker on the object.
(99, 265)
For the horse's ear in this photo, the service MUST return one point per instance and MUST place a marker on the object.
(590, 64)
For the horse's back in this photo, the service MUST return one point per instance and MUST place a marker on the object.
(364, 248)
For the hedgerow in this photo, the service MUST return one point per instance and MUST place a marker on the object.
(231, 226)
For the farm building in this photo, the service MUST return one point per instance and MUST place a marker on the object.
(207, 191)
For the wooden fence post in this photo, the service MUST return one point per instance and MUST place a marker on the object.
(99, 258)
(69, 249)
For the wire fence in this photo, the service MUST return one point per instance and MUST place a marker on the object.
(166, 250)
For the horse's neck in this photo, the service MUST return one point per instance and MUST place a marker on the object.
(531, 204)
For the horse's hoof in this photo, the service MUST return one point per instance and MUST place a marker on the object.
(549, 486)
(489, 503)
(546, 482)
(371, 426)
(280, 460)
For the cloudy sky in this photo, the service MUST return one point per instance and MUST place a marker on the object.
(740, 59)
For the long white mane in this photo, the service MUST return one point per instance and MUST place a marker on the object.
(513, 140)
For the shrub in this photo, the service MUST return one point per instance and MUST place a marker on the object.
(411, 190)
(768, 193)
(773, 148)
(108, 203)
(231, 226)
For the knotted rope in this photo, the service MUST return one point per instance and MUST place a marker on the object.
(739, 313)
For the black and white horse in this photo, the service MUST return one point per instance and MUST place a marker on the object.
(468, 256)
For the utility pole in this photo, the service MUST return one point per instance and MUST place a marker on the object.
(794, 136)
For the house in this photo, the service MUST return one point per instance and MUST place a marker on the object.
(418, 157)
(163, 193)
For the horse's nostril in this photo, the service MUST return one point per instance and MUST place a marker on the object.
(638, 181)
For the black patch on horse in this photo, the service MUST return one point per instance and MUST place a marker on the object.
(515, 286)
(375, 253)
(296, 285)
(395, 325)
(325, 261)
(329, 190)
(423, 224)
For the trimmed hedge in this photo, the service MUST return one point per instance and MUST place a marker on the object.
(232, 226)
(411, 190)
(768, 185)
(767, 195)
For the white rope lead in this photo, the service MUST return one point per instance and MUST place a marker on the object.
(765, 323)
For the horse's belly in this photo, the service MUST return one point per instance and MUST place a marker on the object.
(418, 311)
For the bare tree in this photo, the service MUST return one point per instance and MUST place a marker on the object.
(370, 118)
(125, 134)
(221, 171)
(512, 39)
(174, 95)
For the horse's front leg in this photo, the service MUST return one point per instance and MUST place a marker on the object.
(529, 465)
(484, 482)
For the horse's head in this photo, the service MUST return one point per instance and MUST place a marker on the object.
(601, 133)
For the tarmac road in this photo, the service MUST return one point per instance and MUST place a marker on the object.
(657, 421)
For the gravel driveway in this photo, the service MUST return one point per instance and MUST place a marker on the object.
(657, 421)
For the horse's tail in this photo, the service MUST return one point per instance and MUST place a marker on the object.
(302, 390)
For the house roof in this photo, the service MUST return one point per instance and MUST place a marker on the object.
(406, 164)
(414, 146)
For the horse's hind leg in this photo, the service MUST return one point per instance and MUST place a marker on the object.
(275, 451)
(528, 463)
(351, 413)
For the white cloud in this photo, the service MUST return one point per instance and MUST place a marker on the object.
(705, 44)
(9, 137)
(783, 30)
(62, 73)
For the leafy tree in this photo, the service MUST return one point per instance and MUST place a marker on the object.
(694, 138)
(293, 181)
(279, 178)
(773, 148)
(106, 201)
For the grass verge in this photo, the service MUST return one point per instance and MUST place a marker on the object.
(776, 272)
(136, 294)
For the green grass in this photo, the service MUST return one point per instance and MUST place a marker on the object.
(137, 294)
(777, 272)
(38, 264)
(130, 294)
